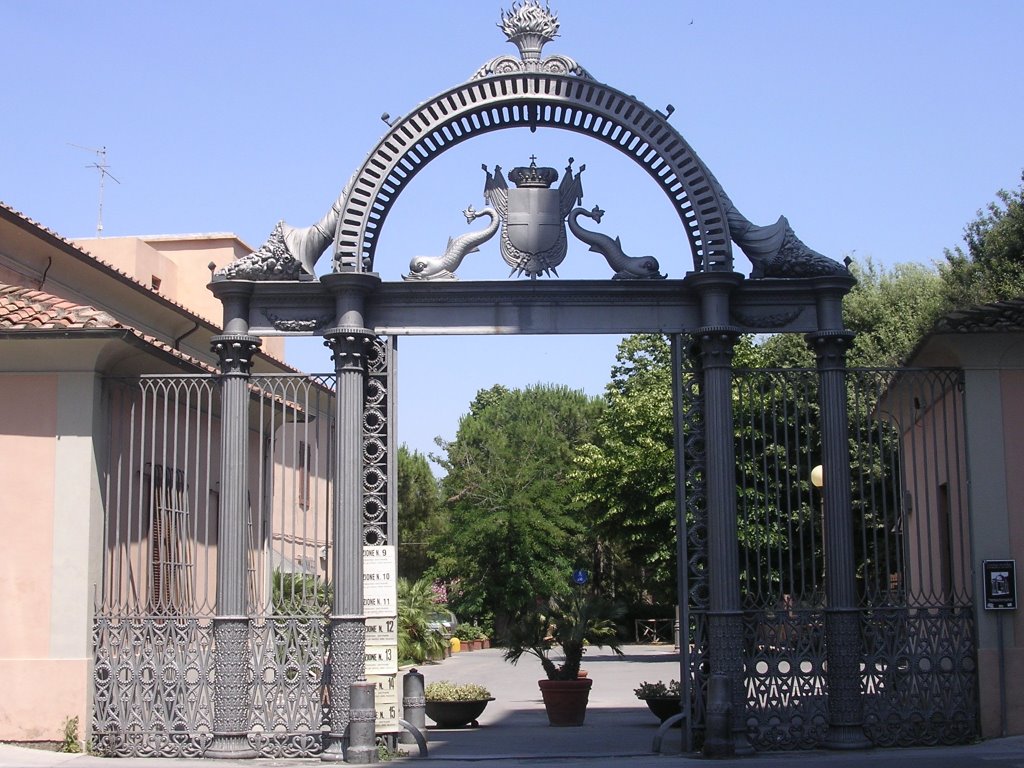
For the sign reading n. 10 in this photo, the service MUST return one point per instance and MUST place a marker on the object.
(1000, 582)
(380, 606)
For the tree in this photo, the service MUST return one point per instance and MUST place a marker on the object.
(992, 267)
(514, 532)
(627, 476)
(889, 310)
(419, 511)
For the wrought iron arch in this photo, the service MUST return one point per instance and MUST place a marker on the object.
(533, 100)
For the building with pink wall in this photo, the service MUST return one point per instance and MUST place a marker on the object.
(987, 344)
(73, 318)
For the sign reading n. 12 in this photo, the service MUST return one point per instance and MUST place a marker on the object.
(1000, 582)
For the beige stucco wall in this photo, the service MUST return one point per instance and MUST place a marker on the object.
(181, 265)
(47, 511)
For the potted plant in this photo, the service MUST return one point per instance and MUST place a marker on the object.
(470, 636)
(572, 623)
(453, 705)
(663, 700)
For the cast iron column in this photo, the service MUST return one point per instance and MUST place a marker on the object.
(349, 341)
(231, 652)
(715, 342)
(842, 617)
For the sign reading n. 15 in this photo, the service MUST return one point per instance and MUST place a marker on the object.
(1000, 582)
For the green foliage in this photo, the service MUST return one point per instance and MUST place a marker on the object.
(417, 642)
(444, 690)
(571, 622)
(296, 594)
(627, 476)
(658, 690)
(69, 741)
(514, 530)
(419, 512)
(467, 632)
(992, 267)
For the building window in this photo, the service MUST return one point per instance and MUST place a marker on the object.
(170, 544)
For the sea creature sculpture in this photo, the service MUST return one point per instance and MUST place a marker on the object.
(443, 267)
(775, 250)
(625, 267)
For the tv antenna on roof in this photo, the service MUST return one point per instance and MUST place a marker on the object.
(101, 166)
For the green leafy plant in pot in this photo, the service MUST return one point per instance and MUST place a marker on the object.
(663, 700)
(453, 705)
(571, 623)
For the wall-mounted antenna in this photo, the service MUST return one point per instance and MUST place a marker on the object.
(101, 166)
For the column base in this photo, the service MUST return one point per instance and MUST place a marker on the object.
(334, 749)
(230, 746)
(846, 737)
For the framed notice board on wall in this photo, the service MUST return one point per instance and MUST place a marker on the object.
(1000, 584)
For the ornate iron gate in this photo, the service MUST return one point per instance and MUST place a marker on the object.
(917, 649)
(153, 639)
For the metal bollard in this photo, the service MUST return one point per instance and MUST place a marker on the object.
(362, 723)
(718, 734)
(414, 706)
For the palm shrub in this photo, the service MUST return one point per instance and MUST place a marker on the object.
(417, 642)
(572, 622)
(297, 594)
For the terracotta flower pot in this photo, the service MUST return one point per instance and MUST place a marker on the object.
(565, 701)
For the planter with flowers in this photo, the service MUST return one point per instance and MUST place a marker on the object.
(664, 701)
(453, 705)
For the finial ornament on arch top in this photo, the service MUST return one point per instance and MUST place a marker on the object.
(530, 26)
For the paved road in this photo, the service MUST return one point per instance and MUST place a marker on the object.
(618, 732)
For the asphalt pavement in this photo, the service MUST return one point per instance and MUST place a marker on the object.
(618, 732)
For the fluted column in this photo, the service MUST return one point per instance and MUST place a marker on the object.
(715, 342)
(349, 341)
(231, 652)
(842, 618)
(725, 617)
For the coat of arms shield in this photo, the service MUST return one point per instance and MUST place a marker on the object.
(534, 219)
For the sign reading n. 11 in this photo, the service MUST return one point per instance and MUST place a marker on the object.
(1000, 582)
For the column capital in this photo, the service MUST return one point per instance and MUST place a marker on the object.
(715, 345)
(349, 347)
(235, 351)
(830, 347)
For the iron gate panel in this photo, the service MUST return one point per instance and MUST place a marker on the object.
(153, 635)
(918, 649)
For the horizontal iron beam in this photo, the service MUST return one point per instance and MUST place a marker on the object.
(533, 307)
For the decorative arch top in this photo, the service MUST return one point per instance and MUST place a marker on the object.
(532, 92)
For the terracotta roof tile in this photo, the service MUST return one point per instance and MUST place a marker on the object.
(29, 309)
(33, 309)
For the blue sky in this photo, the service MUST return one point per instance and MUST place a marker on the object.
(878, 128)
